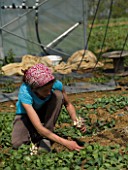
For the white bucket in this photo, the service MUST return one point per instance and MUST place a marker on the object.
(55, 59)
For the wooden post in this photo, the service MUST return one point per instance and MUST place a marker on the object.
(118, 64)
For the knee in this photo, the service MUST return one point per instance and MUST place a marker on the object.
(17, 140)
(16, 144)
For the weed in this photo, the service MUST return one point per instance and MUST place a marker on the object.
(10, 57)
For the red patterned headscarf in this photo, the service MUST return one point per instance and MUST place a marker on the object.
(38, 75)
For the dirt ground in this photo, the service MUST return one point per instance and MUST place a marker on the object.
(111, 136)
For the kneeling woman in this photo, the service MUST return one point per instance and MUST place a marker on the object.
(40, 100)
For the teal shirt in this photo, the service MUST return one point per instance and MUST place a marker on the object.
(27, 96)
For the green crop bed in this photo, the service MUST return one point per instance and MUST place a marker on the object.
(93, 157)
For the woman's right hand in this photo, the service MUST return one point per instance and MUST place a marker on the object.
(72, 145)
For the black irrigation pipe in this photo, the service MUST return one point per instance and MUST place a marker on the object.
(37, 31)
(85, 48)
(109, 16)
(124, 45)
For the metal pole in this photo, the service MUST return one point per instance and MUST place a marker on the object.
(62, 36)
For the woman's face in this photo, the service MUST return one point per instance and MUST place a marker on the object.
(44, 91)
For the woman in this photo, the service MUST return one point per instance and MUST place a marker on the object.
(40, 100)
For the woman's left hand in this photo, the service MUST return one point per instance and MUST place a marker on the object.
(80, 124)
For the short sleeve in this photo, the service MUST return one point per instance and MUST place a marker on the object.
(57, 85)
(25, 96)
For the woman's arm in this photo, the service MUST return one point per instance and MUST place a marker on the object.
(72, 145)
(71, 110)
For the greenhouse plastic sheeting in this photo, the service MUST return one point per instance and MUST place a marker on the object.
(78, 87)
(54, 18)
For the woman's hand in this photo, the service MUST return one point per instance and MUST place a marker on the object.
(72, 145)
(80, 124)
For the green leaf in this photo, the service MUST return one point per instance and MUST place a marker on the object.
(95, 154)
(89, 148)
(7, 168)
(107, 165)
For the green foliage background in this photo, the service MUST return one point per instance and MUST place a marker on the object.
(119, 8)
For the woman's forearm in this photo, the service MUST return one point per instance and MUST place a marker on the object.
(50, 135)
(72, 112)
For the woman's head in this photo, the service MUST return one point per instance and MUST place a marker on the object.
(44, 91)
(37, 76)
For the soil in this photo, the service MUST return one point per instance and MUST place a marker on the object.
(111, 136)
(117, 135)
